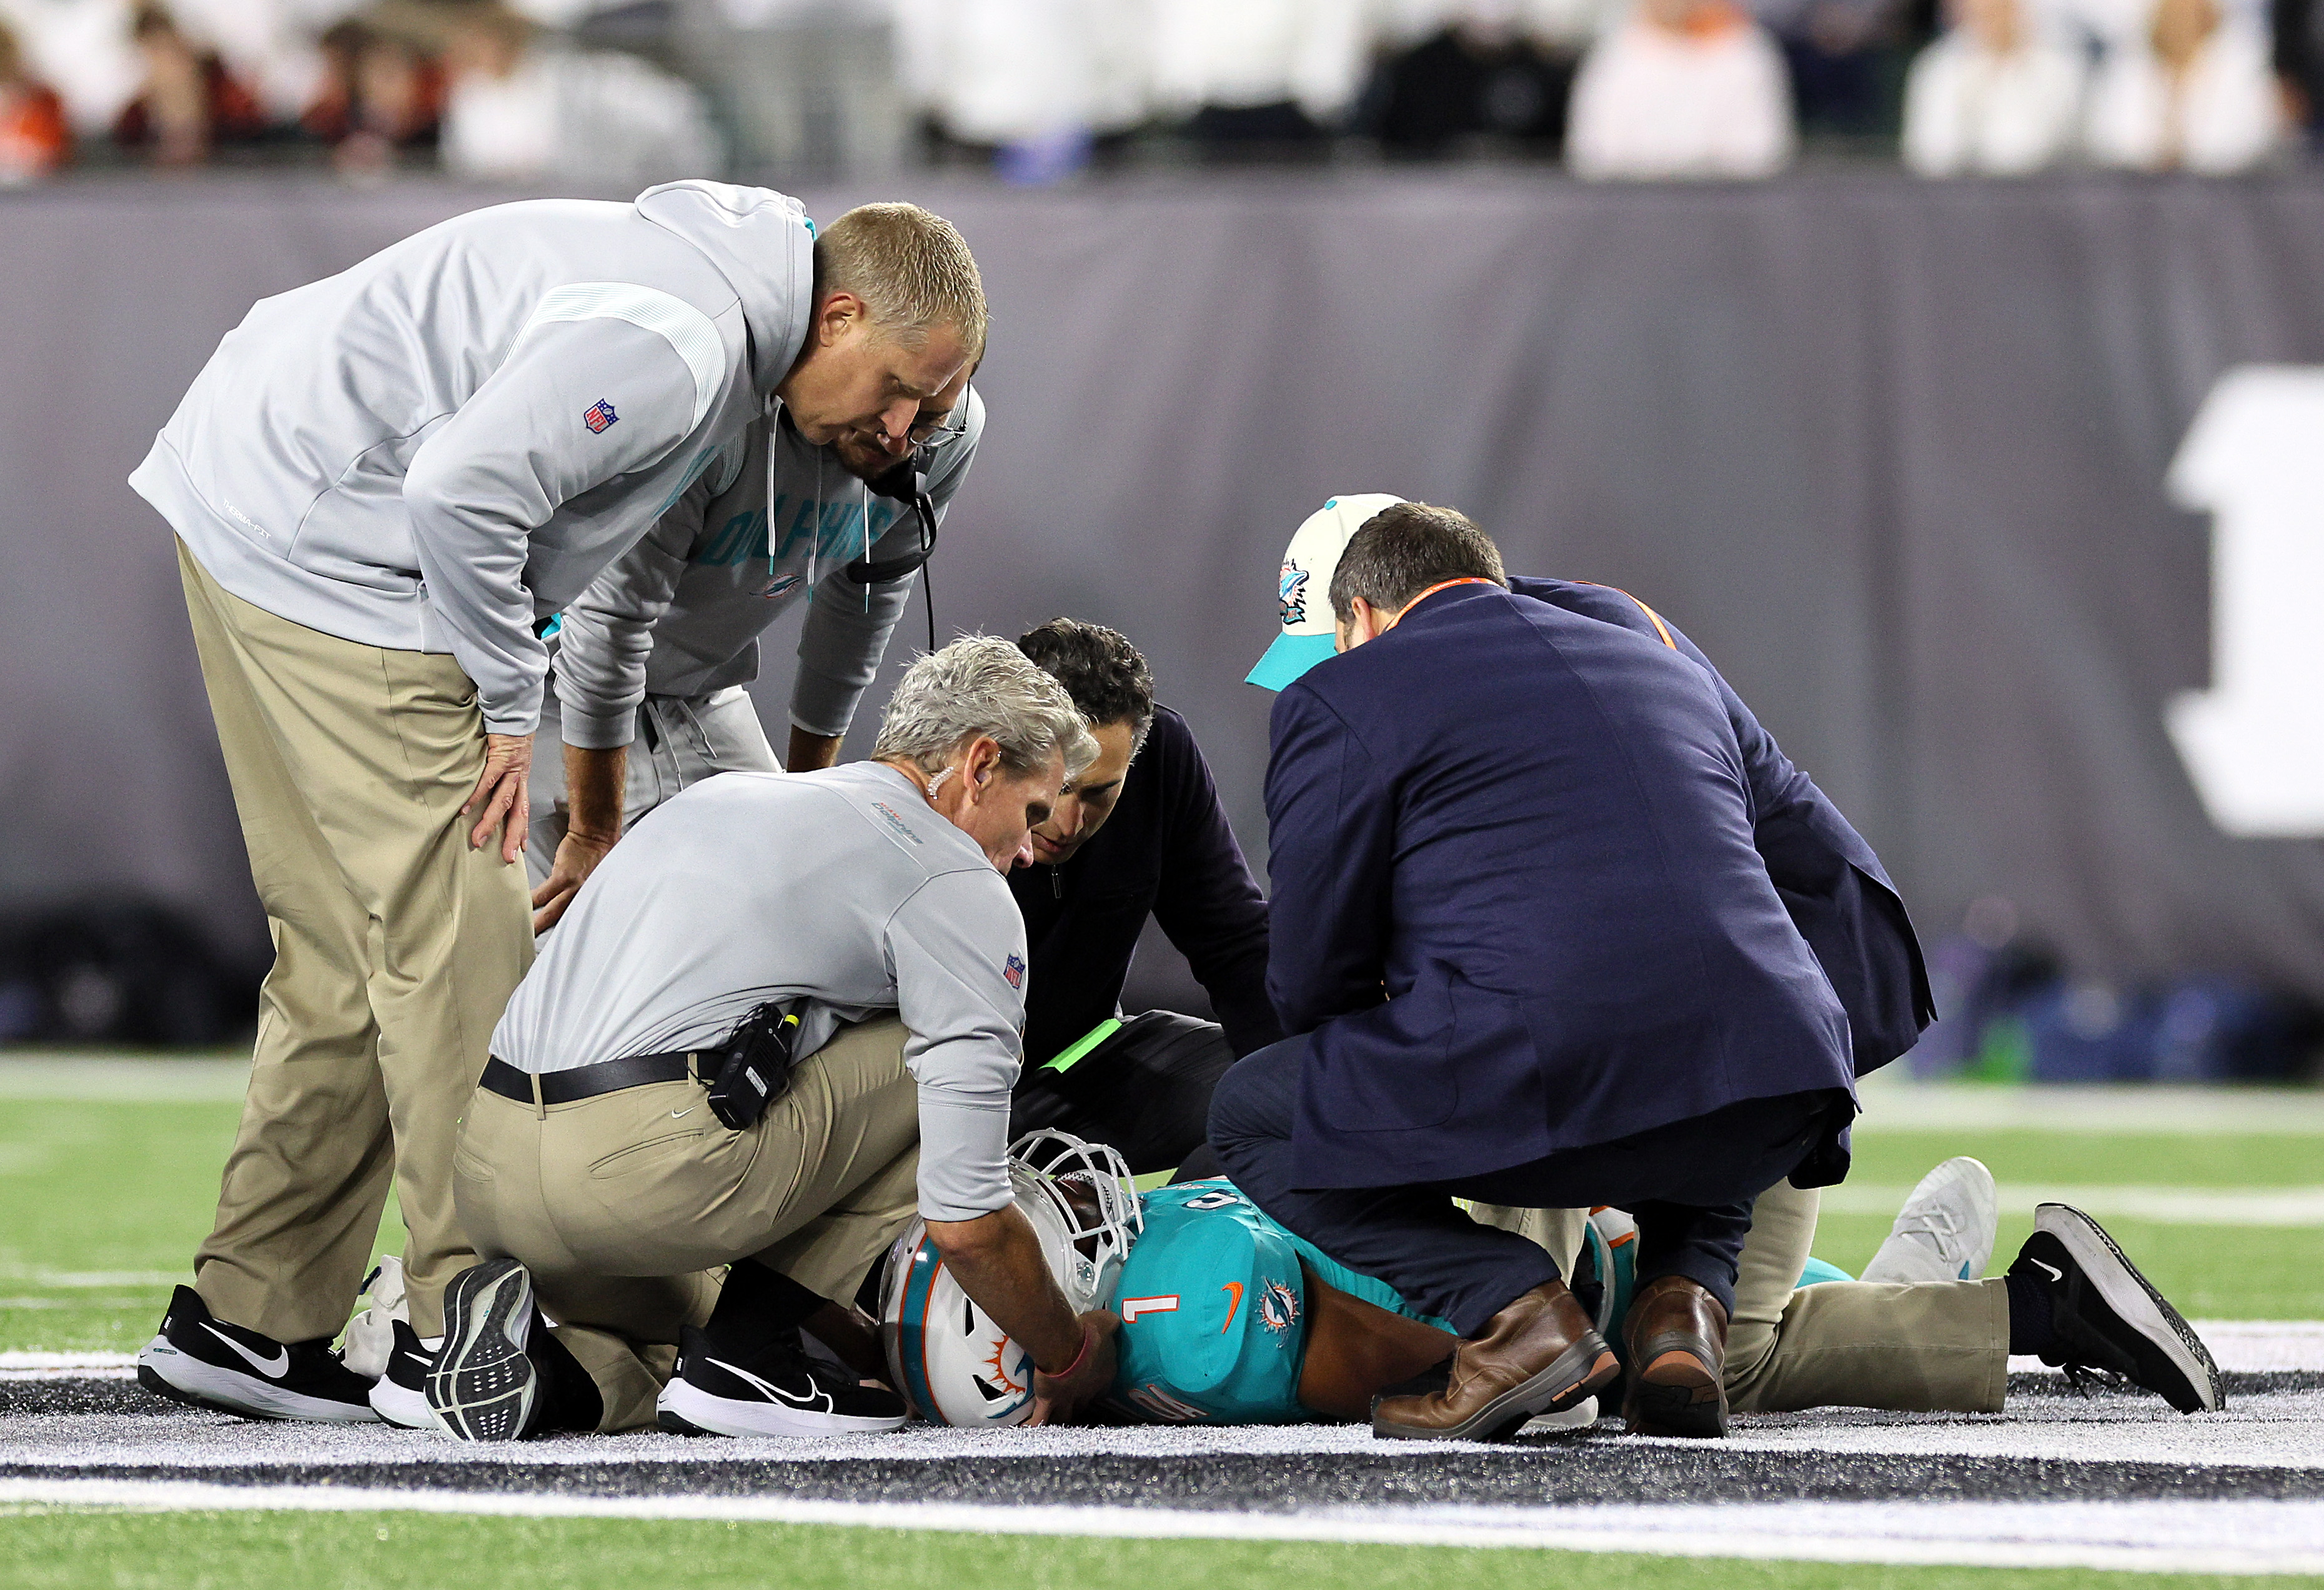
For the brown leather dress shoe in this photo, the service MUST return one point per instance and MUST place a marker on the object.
(1538, 1356)
(1676, 1334)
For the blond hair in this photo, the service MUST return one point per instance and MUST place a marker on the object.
(912, 270)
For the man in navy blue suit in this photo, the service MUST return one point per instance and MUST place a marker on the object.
(1538, 968)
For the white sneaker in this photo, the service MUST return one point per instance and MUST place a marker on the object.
(1580, 1417)
(369, 1341)
(1945, 1230)
(400, 1395)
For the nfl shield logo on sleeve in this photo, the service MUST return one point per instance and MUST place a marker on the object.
(1013, 969)
(599, 416)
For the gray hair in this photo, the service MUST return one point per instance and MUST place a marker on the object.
(981, 684)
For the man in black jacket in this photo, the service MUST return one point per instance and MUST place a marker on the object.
(1142, 832)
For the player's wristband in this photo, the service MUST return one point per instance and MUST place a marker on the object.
(1089, 1335)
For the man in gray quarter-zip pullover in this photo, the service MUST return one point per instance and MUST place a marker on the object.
(646, 684)
(381, 483)
(868, 901)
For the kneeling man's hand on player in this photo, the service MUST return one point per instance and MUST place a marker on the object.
(1058, 1397)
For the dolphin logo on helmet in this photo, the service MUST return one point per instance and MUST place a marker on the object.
(952, 1364)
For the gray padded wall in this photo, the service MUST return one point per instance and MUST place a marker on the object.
(1890, 452)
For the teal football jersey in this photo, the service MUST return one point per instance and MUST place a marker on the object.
(1214, 1310)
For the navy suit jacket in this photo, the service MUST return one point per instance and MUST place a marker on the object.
(1517, 900)
(1839, 895)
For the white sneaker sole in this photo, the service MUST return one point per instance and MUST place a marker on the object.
(2135, 1302)
(403, 1407)
(724, 1415)
(244, 1394)
(482, 1386)
(1580, 1417)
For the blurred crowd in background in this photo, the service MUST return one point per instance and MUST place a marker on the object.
(578, 93)
(2009, 1011)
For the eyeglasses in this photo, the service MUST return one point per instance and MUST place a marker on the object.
(931, 437)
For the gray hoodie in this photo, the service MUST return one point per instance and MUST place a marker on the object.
(433, 450)
(680, 613)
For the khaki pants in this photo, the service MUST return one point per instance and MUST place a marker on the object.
(1557, 1230)
(1940, 1345)
(1849, 1343)
(619, 1205)
(395, 949)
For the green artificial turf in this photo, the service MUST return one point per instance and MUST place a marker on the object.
(2074, 1159)
(2209, 1272)
(103, 1202)
(55, 1548)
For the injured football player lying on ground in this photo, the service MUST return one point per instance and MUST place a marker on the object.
(1228, 1318)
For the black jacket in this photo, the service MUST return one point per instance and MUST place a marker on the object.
(1166, 851)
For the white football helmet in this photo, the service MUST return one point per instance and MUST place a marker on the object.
(952, 1364)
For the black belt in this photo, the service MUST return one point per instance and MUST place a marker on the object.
(565, 1087)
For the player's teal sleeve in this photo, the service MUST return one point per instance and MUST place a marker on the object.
(1214, 1310)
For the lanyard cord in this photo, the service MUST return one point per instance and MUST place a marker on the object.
(774, 435)
(814, 546)
(1441, 585)
(815, 541)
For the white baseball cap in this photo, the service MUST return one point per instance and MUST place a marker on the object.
(1301, 595)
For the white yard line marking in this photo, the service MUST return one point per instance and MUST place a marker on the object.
(15, 1366)
(2215, 1537)
(107, 1080)
(2288, 1207)
(2264, 1344)
(1892, 1100)
(1893, 1103)
(2255, 1345)
(89, 1280)
(2277, 1430)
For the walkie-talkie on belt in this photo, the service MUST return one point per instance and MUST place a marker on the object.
(754, 1066)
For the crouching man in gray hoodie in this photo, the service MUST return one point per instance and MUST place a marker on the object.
(856, 919)
(646, 686)
(381, 483)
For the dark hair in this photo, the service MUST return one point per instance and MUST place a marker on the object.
(1101, 670)
(1402, 551)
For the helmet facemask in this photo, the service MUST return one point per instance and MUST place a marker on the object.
(1090, 1187)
